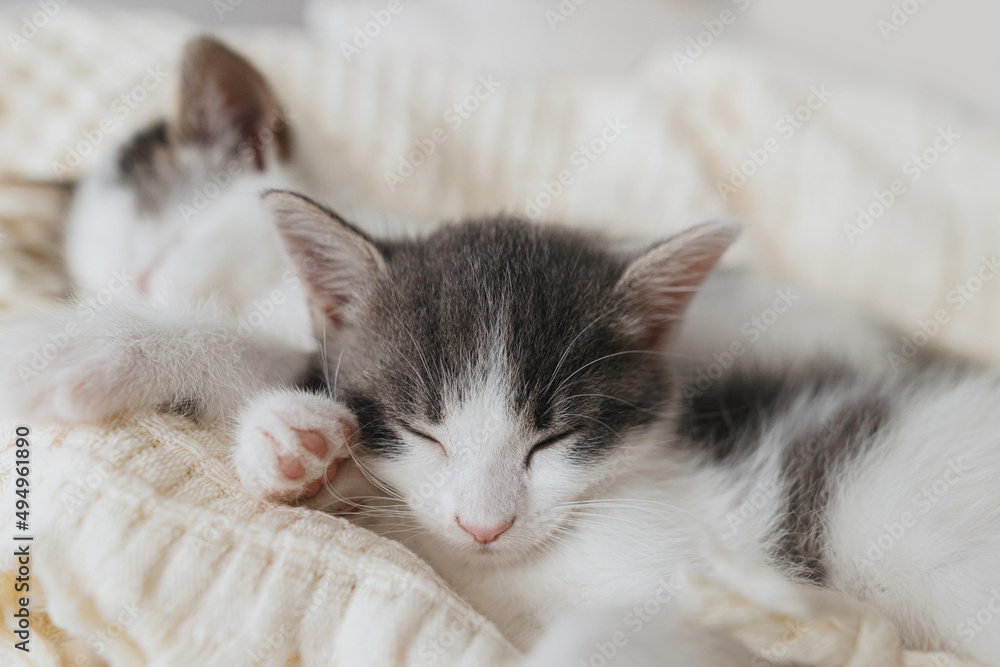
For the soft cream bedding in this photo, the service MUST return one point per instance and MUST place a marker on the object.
(146, 551)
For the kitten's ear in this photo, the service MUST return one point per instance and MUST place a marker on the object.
(333, 257)
(659, 285)
(225, 101)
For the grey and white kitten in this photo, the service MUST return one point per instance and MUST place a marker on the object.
(505, 385)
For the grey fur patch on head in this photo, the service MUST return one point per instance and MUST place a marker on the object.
(433, 321)
(143, 163)
(424, 321)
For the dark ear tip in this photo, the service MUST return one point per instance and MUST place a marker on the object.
(206, 56)
(279, 201)
(283, 202)
(203, 45)
(274, 194)
(278, 196)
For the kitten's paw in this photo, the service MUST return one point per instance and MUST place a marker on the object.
(290, 442)
(47, 374)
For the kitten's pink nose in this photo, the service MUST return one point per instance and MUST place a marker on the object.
(485, 534)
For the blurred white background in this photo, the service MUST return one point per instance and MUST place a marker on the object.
(948, 48)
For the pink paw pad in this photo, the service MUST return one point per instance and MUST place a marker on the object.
(290, 467)
(314, 442)
(293, 469)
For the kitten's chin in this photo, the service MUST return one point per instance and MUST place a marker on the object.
(512, 549)
(436, 542)
(495, 555)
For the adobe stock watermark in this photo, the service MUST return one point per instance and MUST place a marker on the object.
(263, 309)
(752, 331)
(899, 16)
(776, 655)
(223, 7)
(34, 23)
(920, 505)
(268, 647)
(208, 533)
(767, 489)
(565, 10)
(786, 126)
(957, 298)
(759, 497)
(364, 34)
(914, 167)
(606, 650)
(714, 27)
(580, 161)
(438, 650)
(456, 115)
(85, 486)
(121, 108)
(249, 153)
(39, 358)
(215, 184)
(99, 641)
(981, 619)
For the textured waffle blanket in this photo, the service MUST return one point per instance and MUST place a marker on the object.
(146, 552)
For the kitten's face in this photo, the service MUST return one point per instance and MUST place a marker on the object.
(177, 210)
(494, 381)
(497, 369)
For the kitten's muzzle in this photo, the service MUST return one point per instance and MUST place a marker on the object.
(484, 534)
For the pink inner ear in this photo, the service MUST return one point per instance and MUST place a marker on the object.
(225, 100)
(332, 257)
(659, 286)
(331, 312)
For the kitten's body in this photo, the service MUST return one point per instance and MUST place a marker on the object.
(470, 358)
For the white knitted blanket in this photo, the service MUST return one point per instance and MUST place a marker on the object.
(145, 550)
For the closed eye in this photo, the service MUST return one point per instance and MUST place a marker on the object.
(425, 437)
(545, 444)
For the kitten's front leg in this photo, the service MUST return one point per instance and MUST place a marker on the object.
(75, 366)
(289, 442)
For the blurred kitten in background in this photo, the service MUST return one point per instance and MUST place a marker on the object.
(172, 259)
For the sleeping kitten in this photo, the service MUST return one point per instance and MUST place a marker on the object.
(502, 385)
(183, 295)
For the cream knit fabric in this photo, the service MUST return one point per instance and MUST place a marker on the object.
(147, 552)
